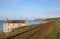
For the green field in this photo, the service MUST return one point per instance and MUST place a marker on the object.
(49, 30)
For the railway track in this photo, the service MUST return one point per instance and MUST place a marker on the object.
(22, 32)
(38, 33)
(32, 33)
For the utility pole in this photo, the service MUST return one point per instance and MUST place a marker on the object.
(21, 16)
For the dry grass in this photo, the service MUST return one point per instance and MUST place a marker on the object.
(53, 32)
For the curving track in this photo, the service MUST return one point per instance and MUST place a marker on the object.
(34, 33)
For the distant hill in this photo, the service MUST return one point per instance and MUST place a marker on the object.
(39, 19)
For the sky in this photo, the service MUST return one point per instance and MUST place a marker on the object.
(30, 9)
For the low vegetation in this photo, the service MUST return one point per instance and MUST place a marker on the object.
(53, 32)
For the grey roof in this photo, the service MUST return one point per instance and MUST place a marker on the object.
(15, 21)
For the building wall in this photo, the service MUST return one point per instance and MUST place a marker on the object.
(7, 27)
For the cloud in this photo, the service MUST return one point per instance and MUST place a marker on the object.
(9, 2)
(28, 7)
(46, 0)
(53, 12)
(53, 2)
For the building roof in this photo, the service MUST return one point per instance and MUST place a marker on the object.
(15, 21)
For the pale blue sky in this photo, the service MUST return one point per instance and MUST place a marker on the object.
(30, 9)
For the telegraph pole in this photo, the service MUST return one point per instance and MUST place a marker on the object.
(21, 16)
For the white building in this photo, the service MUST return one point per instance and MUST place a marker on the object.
(11, 24)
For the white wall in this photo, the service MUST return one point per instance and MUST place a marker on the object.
(8, 27)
